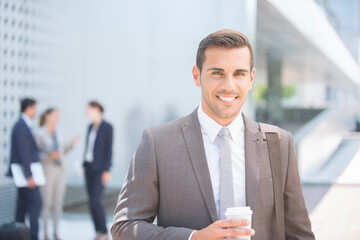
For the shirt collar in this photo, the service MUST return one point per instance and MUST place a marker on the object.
(212, 128)
(27, 120)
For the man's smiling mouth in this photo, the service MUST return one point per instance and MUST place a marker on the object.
(227, 99)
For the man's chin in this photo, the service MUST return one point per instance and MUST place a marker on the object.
(229, 115)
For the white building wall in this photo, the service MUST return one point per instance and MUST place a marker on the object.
(135, 57)
(137, 60)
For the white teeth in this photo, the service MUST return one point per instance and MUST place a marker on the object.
(227, 99)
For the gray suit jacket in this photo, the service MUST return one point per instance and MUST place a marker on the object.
(169, 179)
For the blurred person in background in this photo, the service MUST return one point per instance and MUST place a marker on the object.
(97, 162)
(24, 151)
(53, 146)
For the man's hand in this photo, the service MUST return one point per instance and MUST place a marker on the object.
(74, 140)
(222, 229)
(54, 155)
(31, 183)
(105, 177)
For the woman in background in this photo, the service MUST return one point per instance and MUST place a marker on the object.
(97, 162)
(52, 146)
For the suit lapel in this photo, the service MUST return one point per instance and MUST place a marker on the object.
(99, 134)
(195, 145)
(253, 145)
(87, 139)
(253, 148)
(32, 137)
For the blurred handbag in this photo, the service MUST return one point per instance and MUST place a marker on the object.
(14, 231)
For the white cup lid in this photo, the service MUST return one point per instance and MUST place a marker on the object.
(238, 210)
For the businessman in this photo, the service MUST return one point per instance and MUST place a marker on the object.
(24, 152)
(187, 172)
(97, 163)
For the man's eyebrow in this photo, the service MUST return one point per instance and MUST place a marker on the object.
(241, 70)
(220, 69)
(214, 68)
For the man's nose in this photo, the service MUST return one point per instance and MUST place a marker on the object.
(229, 83)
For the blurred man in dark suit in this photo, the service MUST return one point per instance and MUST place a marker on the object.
(24, 152)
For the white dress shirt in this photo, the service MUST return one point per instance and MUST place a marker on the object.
(89, 156)
(27, 121)
(210, 129)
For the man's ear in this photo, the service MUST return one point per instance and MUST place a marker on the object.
(252, 76)
(196, 76)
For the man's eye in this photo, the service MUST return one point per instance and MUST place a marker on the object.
(217, 73)
(240, 74)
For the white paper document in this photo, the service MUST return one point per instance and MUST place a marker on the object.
(19, 176)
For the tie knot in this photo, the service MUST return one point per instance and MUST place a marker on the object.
(224, 131)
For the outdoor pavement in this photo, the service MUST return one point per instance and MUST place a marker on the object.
(76, 226)
(333, 194)
(336, 215)
(76, 223)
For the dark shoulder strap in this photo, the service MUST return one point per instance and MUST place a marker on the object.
(272, 135)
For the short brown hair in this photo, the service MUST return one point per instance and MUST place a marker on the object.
(226, 38)
(97, 105)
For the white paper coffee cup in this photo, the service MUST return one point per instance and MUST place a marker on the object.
(244, 213)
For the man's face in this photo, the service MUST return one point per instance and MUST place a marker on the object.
(31, 111)
(225, 81)
(92, 113)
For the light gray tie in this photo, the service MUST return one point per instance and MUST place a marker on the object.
(226, 179)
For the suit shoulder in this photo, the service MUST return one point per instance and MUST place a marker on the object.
(20, 125)
(107, 124)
